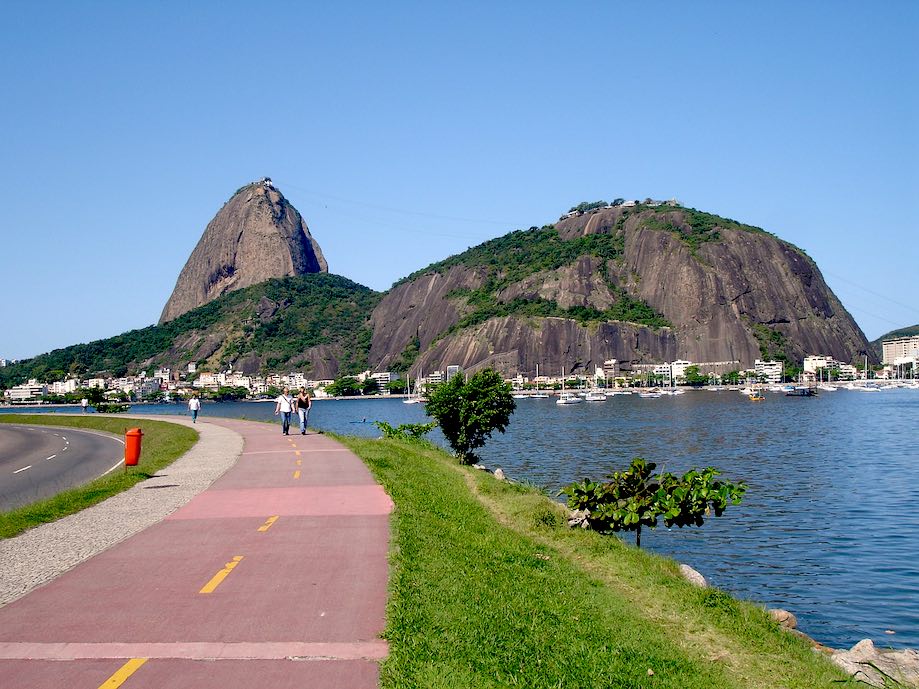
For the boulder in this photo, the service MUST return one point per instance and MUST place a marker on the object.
(693, 577)
(578, 518)
(866, 663)
(784, 618)
(499, 474)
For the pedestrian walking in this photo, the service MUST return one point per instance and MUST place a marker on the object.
(83, 404)
(303, 408)
(285, 407)
(194, 406)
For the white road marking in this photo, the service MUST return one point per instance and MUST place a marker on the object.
(23, 469)
(51, 457)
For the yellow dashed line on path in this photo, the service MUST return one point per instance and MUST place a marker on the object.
(267, 524)
(297, 474)
(299, 462)
(221, 575)
(125, 671)
(297, 452)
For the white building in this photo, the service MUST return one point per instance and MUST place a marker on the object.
(62, 387)
(383, 380)
(814, 362)
(31, 390)
(847, 372)
(678, 368)
(453, 371)
(900, 348)
(770, 371)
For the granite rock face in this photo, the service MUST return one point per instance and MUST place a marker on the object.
(257, 235)
(731, 293)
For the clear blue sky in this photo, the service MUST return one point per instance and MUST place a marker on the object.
(406, 132)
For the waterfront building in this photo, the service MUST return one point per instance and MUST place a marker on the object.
(815, 362)
(847, 372)
(900, 348)
(610, 368)
(383, 380)
(62, 387)
(678, 368)
(32, 390)
(768, 371)
(453, 371)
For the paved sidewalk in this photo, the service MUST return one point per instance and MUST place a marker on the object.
(276, 576)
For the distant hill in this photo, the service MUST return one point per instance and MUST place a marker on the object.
(640, 283)
(908, 331)
(316, 322)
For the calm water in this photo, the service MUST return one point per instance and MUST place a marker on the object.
(828, 529)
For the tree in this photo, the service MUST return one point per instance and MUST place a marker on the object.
(397, 387)
(634, 498)
(344, 387)
(691, 376)
(370, 387)
(468, 412)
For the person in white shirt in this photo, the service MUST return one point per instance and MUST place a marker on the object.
(284, 406)
(194, 406)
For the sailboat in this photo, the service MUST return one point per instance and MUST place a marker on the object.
(538, 394)
(413, 397)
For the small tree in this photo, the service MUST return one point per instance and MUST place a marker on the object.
(634, 498)
(468, 412)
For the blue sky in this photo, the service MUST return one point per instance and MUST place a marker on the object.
(406, 132)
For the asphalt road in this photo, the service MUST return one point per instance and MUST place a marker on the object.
(40, 461)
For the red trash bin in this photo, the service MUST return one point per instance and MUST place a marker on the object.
(132, 440)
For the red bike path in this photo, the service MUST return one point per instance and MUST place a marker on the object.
(275, 576)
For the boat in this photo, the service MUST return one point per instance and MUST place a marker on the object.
(414, 397)
(801, 391)
(827, 388)
(757, 396)
(568, 398)
(539, 394)
(618, 391)
(649, 394)
(594, 396)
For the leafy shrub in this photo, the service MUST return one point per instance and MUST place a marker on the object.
(405, 431)
(634, 498)
(111, 408)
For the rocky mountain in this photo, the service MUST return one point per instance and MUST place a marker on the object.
(257, 235)
(639, 284)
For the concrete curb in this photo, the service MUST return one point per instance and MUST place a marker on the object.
(39, 555)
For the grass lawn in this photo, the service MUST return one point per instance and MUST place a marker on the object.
(489, 588)
(163, 443)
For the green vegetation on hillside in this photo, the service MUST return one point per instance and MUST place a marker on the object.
(489, 588)
(699, 227)
(163, 444)
(515, 256)
(311, 310)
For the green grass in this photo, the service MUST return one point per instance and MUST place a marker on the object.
(163, 443)
(489, 588)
